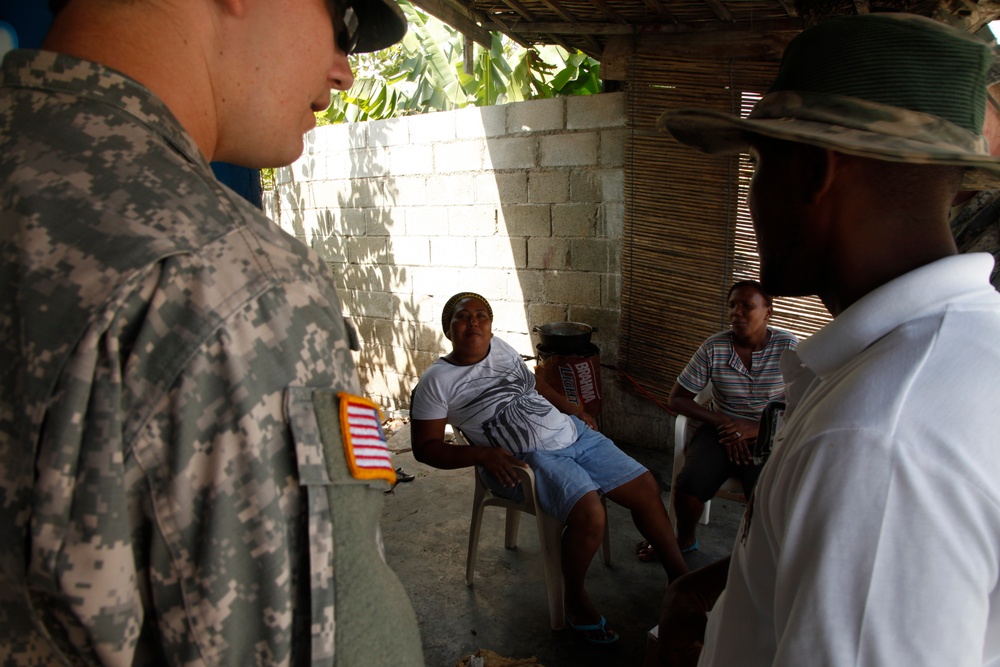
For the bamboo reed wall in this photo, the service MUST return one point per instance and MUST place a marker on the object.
(687, 234)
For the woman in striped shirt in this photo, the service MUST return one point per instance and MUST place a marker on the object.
(741, 364)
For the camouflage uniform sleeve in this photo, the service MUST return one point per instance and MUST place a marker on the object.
(178, 529)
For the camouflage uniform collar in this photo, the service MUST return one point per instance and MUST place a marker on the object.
(59, 73)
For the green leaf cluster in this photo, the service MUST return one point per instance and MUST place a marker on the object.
(425, 72)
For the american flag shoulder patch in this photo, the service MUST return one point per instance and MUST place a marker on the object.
(364, 440)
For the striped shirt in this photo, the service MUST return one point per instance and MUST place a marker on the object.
(736, 391)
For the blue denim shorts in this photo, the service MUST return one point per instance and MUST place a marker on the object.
(562, 477)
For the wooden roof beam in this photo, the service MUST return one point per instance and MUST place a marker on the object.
(519, 9)
(457, 20)
(789, 8)
(670, 31)
(720, 10)
(611, 14)
(761, 44)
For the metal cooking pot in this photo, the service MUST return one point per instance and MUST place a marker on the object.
(564, 337)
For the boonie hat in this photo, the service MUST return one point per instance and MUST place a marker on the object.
(895, 87)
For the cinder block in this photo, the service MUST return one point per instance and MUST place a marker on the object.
(283, 175)
(539, 314)
(567, 150)
(574, 219)
(428, 128)
(573, 288)
(451, 252)
(362, 163)
(384, 331)
(459, 156)
(548, 187)
(611, 220)
(427, 220)
(480, 122)
(406, 191)
(501, 188)
(584, 186)
(612, 153)
(548, 253)
(422, 308)
(526, 219)
(508, 316)
(342, 222)
(612, 184)
(526, 285)
(410, 159)
(331, 249)
(336, 270)
(589, 255)
(409, 251)
(391, 132)
(594, 111)
(341, 193)
(611, 290)
(304, 168)
(362, 278)
(454, 190)
(491, 283)
(478, 221)
(502, 252)
(384, 222)
(536, 115)
(511, 153)
(374, 304)
(365, 250)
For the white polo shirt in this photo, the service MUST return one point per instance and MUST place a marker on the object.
(874, 536)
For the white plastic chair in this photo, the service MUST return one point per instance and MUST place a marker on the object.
(732, 488)
(549, 536)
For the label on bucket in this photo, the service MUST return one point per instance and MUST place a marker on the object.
(577, 378)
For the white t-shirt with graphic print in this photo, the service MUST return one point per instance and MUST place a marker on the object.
(493, 402)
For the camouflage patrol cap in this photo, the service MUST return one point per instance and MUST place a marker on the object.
(894, 87)
(381, 24)
(377, 24)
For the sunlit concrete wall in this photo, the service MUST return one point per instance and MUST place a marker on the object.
(522, 203)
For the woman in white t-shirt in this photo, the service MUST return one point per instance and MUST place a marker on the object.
(514, 419)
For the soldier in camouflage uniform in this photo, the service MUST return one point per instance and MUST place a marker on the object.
(187, 476)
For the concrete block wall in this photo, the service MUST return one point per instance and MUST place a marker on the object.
(522, 203)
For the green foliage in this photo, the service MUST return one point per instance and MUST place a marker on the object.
(425, 72)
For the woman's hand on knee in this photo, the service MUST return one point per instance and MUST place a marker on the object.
(500, 463)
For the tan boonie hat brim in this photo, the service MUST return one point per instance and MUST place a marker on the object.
(894, 87)
(848, 125)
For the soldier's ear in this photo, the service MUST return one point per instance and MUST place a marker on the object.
(815, 170)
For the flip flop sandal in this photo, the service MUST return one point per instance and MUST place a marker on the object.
(689, 549)
(607, 636)
(644, 551)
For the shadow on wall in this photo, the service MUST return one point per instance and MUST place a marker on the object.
(345, 208)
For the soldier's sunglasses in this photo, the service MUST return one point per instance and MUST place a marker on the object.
(345, 23)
